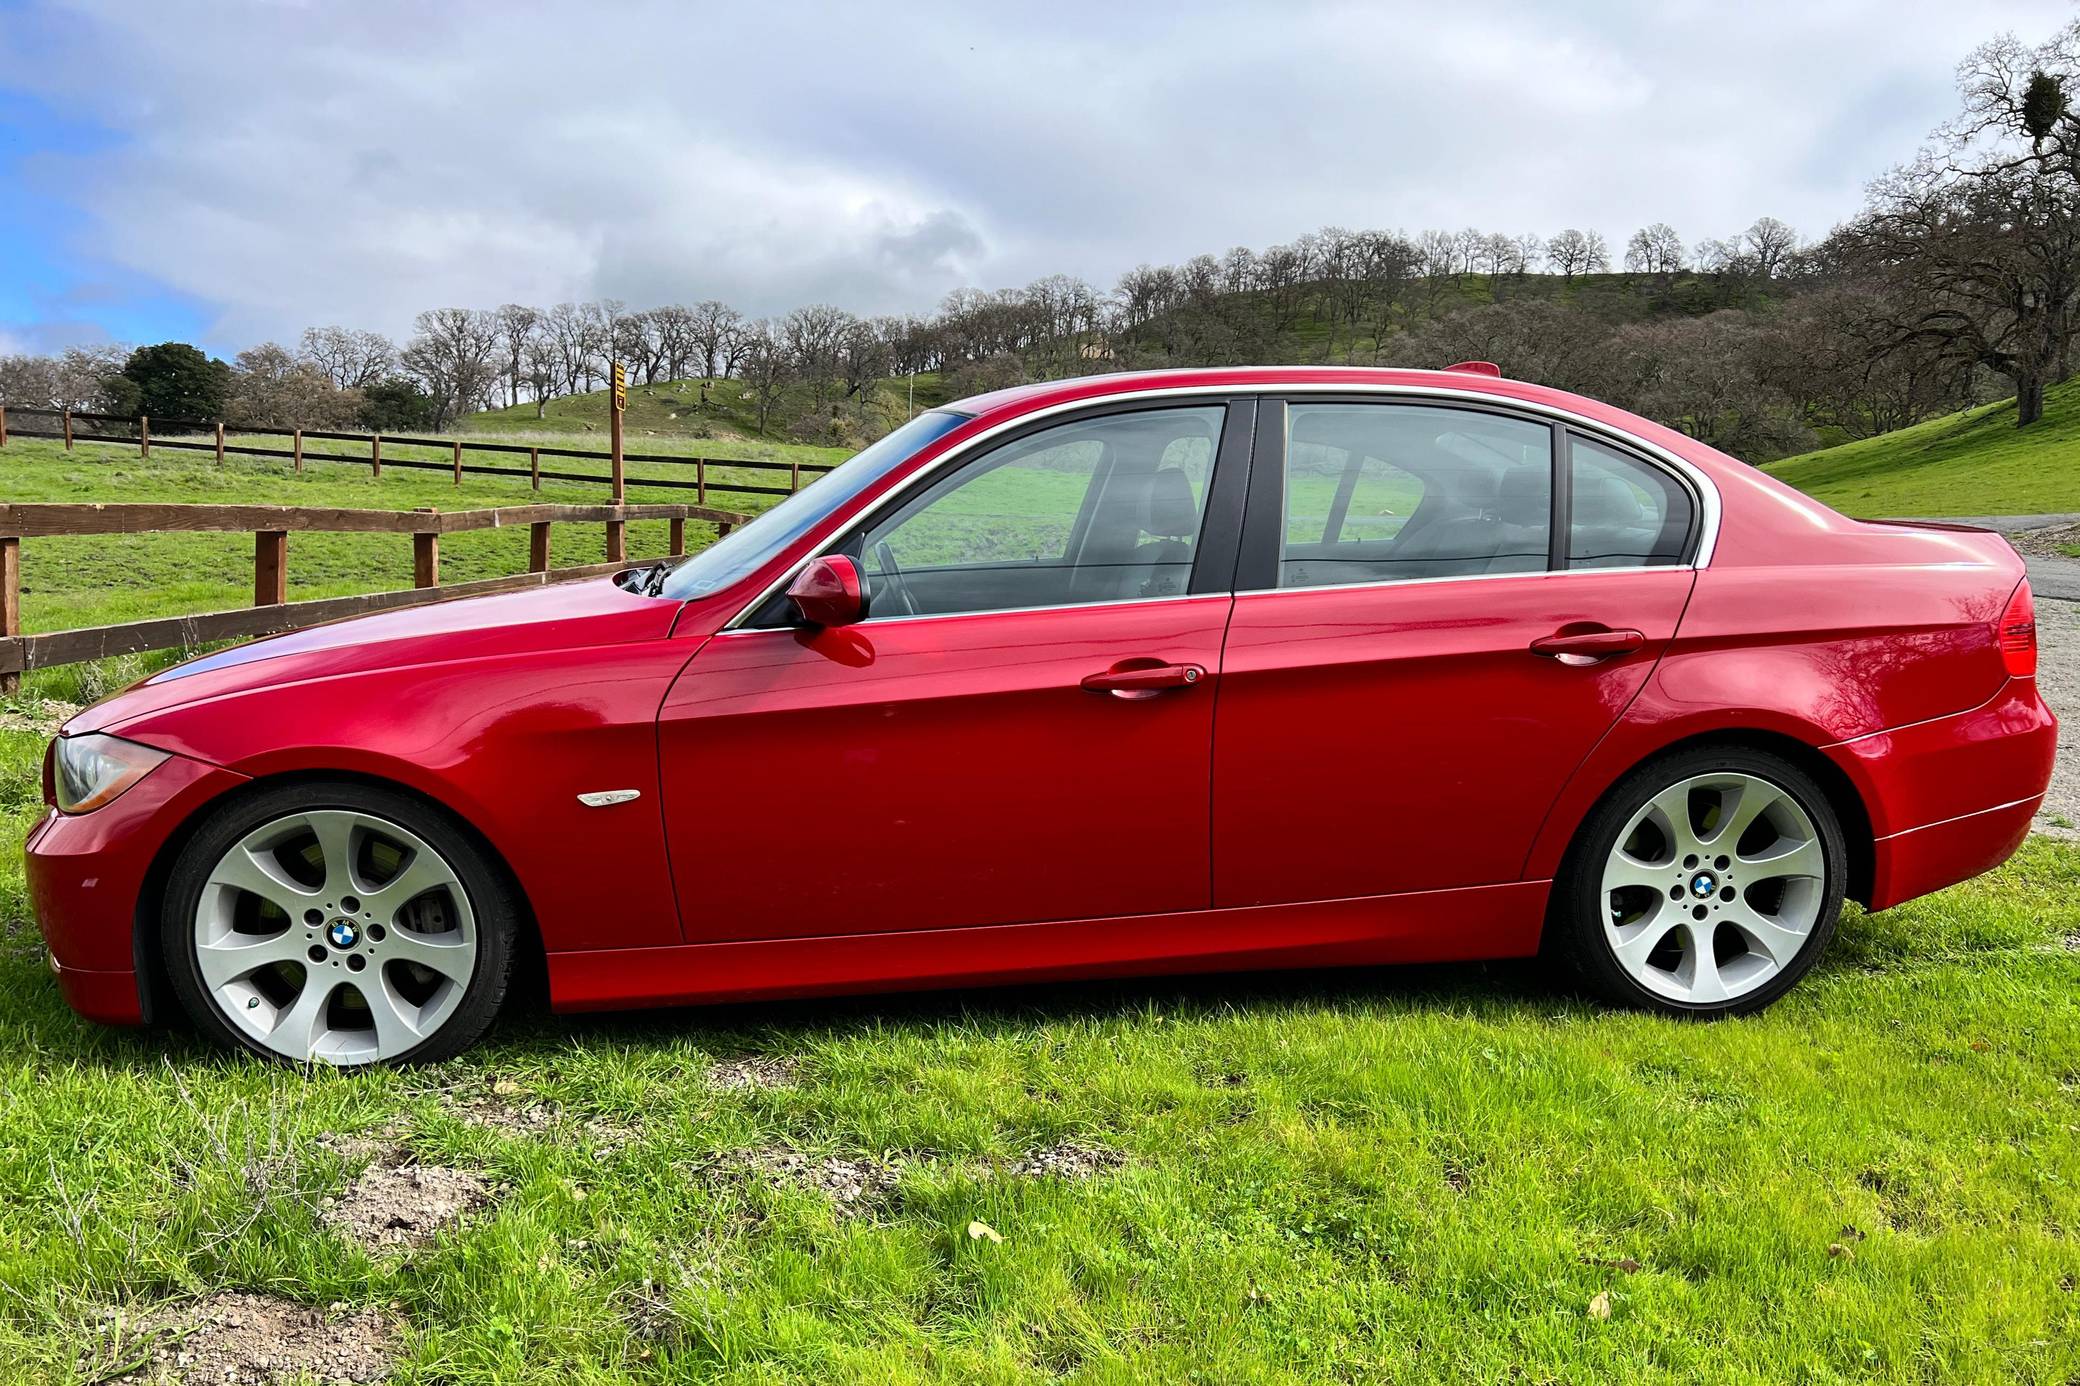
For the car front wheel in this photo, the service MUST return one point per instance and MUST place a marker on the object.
(1706, 883)
(337, 923)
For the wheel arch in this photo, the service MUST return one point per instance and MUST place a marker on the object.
(154, 987)
(1843, 795)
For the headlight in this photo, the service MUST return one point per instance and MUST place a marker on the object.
(88, 771)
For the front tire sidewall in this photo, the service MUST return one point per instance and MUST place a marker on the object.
(490, 902)
(1575, 928)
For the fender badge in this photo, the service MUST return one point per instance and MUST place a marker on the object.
(601, 798)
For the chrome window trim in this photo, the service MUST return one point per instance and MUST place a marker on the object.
(1706, 490)
(1179, 598)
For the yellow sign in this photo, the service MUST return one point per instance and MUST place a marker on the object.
(620, 387)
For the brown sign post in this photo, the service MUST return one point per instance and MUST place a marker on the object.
(620, 402)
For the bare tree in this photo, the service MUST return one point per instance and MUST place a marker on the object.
(1655, 250)
(516, 325)
(765, 365)
(453, 355)
(1768, 244)
(1573, 252)
(352, 360)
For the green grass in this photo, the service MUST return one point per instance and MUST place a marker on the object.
(69, 581)
(1395, 1174)
(1973, 463)
(701, 410)
(1417, 1174)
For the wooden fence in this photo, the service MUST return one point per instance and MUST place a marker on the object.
(270, 526)
(197, 435)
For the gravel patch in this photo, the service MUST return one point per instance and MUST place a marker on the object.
(257, 1340)
(2058, 677)
(752, 1071)
(1068, 1160)
(854, 1184)
(396, 1206)
(37, 716)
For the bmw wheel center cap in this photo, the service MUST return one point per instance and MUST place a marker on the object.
(1702, 887)
(343, 933)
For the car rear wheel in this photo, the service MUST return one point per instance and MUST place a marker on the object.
(338, 923)
(1706, 883)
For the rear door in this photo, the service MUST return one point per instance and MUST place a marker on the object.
(1021, 730)
(1415, 664)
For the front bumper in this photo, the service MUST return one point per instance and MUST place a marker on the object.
(86, 875)
(1952, 798)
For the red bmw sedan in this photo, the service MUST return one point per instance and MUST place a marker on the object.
(1162, 672)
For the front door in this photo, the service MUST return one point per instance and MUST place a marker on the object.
(1414, 667)
(1020, 731)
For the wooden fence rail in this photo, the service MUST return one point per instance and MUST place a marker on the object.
(270, 526)
(196, 435)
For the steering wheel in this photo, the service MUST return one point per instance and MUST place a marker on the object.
(892, 574)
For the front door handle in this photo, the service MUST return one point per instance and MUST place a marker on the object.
(1143, 680)
(1587, 646)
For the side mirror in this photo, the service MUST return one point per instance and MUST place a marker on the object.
(829, 592)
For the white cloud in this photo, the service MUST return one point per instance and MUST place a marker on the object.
(292, 164)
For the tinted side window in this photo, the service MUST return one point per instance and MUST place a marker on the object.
(1624, 512)
(1103, 509)
(1394, 492)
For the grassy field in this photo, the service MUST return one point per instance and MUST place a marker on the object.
(1431, 1174)
(698, 409)
(90, 580)
(1973, 463)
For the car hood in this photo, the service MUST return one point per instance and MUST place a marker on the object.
(562, 616)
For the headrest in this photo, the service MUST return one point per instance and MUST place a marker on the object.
(1473, 488)
(1526, 495)
(1172, 513)
(1604, 501)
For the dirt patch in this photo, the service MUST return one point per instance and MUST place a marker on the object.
(257, 1340)
(392, 1206)
(2050, 541)
(37, 716)
(752, 1071)
(854, 1183)
(1066, 1160)
(509, 1109)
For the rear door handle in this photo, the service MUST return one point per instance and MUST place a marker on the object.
(1142, 680)
(1588, 646)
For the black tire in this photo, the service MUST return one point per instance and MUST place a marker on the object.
(1575, 935)
(491, 901)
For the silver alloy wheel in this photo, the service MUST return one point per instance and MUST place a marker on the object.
(335, 935)
(1713, 887)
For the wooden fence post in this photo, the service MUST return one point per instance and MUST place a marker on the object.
(538, 547)
(10, 601)
(3, 425)
(375, 455)
(298, 446)
(617, 541)
(534, 468)
(700, 479)
(458, 461)
(68, 430)
(794, 479)
(270, 567)
(144, 435)
(426, 558)
(678, 536)
(220, 445)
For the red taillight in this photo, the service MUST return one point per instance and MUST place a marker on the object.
(2018, 634)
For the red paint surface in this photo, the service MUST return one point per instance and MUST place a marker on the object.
(1361, 775)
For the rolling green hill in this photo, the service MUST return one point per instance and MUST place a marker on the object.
(1973, 463)
(679, 409)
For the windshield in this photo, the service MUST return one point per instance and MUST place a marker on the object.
(731, 558)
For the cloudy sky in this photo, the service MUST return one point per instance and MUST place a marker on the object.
(232, 171)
